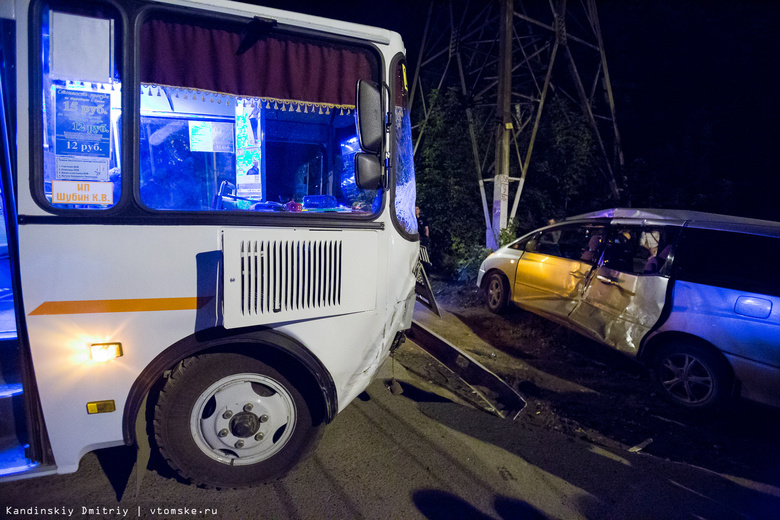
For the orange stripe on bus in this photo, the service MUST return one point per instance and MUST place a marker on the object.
(134, 305)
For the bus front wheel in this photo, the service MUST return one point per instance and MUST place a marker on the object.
(227, 420)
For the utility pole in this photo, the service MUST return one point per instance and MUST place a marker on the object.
(504, 125)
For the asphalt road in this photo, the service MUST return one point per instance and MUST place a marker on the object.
(413, 455)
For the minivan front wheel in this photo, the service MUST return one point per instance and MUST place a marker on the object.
(496, 293)
(692, 376)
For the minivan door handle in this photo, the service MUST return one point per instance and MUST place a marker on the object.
(608, 281)
(611, 281)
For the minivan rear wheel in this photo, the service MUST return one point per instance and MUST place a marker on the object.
(692, 376)
(496, 293)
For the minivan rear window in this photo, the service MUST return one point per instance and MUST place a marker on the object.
(730, 260)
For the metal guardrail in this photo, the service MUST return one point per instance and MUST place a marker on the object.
(503, 400)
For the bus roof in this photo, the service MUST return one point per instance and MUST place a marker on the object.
(315, 23)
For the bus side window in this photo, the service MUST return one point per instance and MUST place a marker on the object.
(244, 139)
(81, 110)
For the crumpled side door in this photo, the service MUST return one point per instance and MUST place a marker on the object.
(626, 293)
(552, 273)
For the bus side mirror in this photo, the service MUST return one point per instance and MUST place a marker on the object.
(368, 171)
(371, 131)
(370, 127)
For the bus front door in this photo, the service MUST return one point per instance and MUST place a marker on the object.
(15, 404)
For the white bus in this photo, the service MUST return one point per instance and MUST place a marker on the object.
(207, 230)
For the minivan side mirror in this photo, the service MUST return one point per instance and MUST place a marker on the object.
(370, 127)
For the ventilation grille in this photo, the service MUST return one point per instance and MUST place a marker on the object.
(282, 276)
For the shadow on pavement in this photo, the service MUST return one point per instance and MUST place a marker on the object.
(616, 484)
(512, 508)
(420, 396)
(442, 505)
(117, 463)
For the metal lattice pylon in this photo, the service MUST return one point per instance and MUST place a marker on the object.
(505, 56)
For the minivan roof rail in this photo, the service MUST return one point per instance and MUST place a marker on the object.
(670, 214)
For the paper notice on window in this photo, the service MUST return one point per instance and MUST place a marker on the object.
(249, 159)
(71, 192)
(207, 136)
(81, 47)
(201, 139)
(71, 167)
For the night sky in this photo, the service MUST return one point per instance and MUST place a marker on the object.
(695, 86)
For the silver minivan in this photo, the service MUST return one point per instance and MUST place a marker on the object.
(695, 296)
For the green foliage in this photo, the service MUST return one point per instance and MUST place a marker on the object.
(509, 233)
(469, 256)
(563, 179)
(447, 191)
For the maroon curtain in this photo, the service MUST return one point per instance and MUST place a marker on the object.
(205, 58)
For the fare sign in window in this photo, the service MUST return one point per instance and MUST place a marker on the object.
(83, 135)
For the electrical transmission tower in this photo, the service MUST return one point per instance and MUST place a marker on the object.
(506, 57)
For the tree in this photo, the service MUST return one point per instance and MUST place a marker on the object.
(447, 189)
(563, 179)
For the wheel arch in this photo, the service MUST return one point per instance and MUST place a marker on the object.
(266, 344)
(489, 273)
(651, 348)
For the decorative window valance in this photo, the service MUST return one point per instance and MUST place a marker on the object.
(285, 105)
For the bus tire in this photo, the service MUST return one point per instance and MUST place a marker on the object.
(227, 420)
